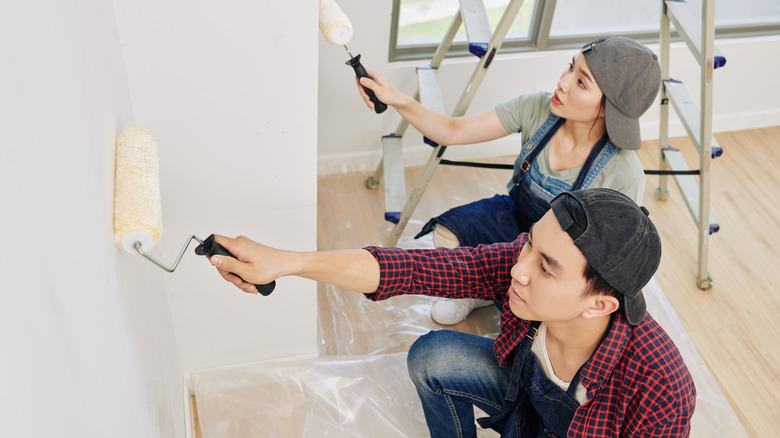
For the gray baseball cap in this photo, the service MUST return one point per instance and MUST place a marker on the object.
(629, 75)
(617, 238)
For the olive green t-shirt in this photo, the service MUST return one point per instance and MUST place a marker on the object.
(527, 113)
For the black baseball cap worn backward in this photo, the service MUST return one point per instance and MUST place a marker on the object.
(617, 239)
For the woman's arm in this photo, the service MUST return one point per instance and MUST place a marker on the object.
(436, 126)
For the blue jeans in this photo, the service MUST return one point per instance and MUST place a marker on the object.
(488, 220)
(453, 372)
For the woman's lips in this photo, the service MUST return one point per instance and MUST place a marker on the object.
(556, 100)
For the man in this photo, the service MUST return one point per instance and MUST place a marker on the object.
(577, 354)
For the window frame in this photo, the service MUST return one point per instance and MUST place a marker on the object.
(539, 36)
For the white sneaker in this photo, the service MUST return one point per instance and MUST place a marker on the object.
(448, 312)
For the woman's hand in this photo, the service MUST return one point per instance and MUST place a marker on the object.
(385, 92)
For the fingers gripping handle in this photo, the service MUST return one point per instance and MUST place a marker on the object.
(210, 247)
(361, 72)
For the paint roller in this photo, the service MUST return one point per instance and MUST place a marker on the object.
(337, 30)
(138, 207)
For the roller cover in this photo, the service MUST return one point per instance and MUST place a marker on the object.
(137, 205)
(334, 24)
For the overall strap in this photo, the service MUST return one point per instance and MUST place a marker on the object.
(528, 158)
(589, 162)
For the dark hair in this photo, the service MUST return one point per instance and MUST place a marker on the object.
(597, 284)
(601, 107)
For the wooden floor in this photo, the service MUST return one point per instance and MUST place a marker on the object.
(734, 325)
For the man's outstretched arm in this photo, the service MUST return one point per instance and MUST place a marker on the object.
(254, 263)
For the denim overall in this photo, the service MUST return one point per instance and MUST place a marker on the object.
(538, 408)
(531, 190)
(502, 218)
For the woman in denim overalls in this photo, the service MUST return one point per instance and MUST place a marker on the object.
(582, 135)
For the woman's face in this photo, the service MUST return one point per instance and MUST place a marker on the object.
(577, 97)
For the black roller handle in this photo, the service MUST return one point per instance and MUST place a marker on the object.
(361, 72)
(210, 247)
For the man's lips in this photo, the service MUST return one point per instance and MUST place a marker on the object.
(514, 296)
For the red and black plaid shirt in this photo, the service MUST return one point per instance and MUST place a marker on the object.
(636, 381)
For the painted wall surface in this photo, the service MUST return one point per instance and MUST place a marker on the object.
(228, 90)
(349, 134)
(87, 347)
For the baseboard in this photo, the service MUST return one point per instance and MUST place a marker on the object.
(191, 425)
(417, 155)
(414, 155)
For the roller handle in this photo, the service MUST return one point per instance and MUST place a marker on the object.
(210, 247)
(361, 72)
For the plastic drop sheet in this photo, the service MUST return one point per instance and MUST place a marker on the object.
(360, 396)
(370, 394)
(359, 386)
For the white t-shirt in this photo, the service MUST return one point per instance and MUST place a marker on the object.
(539, 349)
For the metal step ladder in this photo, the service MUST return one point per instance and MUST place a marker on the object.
(484, 45)
(697, 29)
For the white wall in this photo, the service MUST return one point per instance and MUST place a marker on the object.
(93, 340)
(349, 134)
(86, 337)
(228, 91)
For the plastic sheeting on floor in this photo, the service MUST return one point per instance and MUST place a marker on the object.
(361, 396)
(371, 394)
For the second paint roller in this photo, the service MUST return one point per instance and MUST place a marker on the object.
(337, 30)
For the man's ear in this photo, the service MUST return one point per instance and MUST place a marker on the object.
(602, 305)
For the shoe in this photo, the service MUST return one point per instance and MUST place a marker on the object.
(448, 312)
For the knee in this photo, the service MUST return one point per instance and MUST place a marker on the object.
(429, 355)
(443, 237)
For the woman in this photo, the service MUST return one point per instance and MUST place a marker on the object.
(582, 135)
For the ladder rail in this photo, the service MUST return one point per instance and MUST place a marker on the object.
(446, 42)
(699, 36)
(460, 109)
(703, 278)
(662, 191)
(484, 62)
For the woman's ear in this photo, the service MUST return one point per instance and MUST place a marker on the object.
(602, 305)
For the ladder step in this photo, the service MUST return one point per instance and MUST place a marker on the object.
(477, 26)
(689, 114)
(395, 182)
(688, 25)
(430, 92)
(688, 185)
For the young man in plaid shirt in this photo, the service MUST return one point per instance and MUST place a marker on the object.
(577, 354)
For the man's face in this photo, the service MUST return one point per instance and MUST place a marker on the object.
(548, 280)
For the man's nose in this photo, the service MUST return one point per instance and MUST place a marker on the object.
(520, 273)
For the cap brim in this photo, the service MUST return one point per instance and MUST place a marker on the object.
(634, 308)
(623, 131)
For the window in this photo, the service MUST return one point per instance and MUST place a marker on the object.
(419, 25)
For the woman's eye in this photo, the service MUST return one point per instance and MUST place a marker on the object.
(571, 67)
(541, 265)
